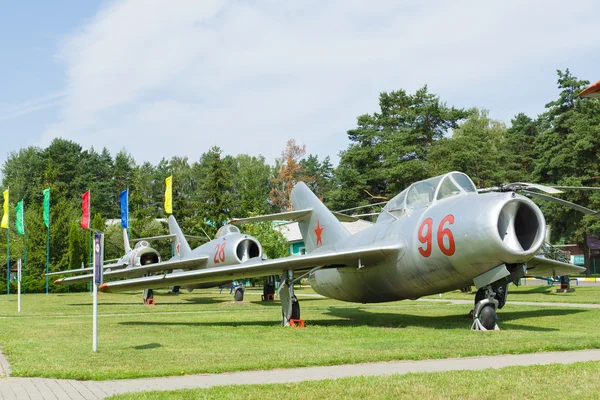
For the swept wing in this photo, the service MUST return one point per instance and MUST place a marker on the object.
(540, 266)
(87, 269)
(189, 263)
(367, 255)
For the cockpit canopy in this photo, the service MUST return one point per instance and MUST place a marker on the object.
(142, 243)
(424, 193)
(227, 230)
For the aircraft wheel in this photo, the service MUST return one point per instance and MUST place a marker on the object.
(295, 308)
(487, 317)
(148, 294)
(239, 294)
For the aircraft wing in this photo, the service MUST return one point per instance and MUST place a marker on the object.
(190, 263)
(366, 255)
(540, 266)
(87, 269)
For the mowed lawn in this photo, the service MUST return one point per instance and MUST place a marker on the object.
(205, 332)
(580, 381)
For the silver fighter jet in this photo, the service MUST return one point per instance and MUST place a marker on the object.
(230, 247)
(438, 235)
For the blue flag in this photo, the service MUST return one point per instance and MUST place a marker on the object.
(125, 209)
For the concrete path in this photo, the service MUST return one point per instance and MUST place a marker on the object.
(38, 388)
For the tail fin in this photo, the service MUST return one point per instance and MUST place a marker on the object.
(182, 248)
(126, 241)
(320, 227)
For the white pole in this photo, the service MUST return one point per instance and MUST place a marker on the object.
(95, 318)
(96, 280)
(19, 286)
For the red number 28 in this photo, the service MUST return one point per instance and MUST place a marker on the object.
(219, 253)
(426, 238)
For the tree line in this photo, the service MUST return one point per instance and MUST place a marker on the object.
(411, 137)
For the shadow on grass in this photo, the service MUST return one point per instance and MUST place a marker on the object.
(147, 346)
(536, 290)
(346, 317)
(185, 302)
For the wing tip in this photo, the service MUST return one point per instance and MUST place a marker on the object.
(104, 288)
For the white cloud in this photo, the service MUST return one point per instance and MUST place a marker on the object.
(174, 78)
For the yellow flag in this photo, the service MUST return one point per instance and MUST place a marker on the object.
(4, 223)
(169, 195)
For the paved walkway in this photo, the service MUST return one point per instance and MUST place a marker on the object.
(39, 388)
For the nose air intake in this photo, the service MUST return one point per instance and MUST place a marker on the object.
(247, 249)
(521, 226)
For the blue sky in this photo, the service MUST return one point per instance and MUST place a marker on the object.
(175, 78)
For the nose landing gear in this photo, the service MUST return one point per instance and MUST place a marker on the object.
(484, 313)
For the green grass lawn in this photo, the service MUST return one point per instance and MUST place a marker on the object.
(206, 332)
(538, 293)
(581, 381)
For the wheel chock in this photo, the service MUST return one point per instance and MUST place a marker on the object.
(269, 297)
(296, 323)
(150, 302)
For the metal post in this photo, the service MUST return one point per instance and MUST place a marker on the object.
(47, 255)
(595, 277)
(91, 255)
(24, 259)
(19, 285)
(8, 258)
(98, 247)
(95, 318)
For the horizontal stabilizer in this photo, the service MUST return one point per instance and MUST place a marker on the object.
(151, 238)
(540, 266)
(283, 216)
(366, 255)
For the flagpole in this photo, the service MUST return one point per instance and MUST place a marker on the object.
(47, 255)
(46, 217)
(8, 257)
(91, 236)
(128, 226)
(24, 270)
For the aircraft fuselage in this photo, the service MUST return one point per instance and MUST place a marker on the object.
(447, 244)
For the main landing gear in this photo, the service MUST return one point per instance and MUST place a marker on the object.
(290, 307)
(148, 295)
(487, 301)
(239, 294)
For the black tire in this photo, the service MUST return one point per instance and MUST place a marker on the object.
(295, 308)
(239, 294)
(487, 317)
(268, 288)
(148, 294)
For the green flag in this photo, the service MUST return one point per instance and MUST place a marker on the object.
(47, 207)
(20, 225)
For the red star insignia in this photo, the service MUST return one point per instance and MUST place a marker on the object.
(319, 232)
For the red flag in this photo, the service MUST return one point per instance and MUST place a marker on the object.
(85, 208)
